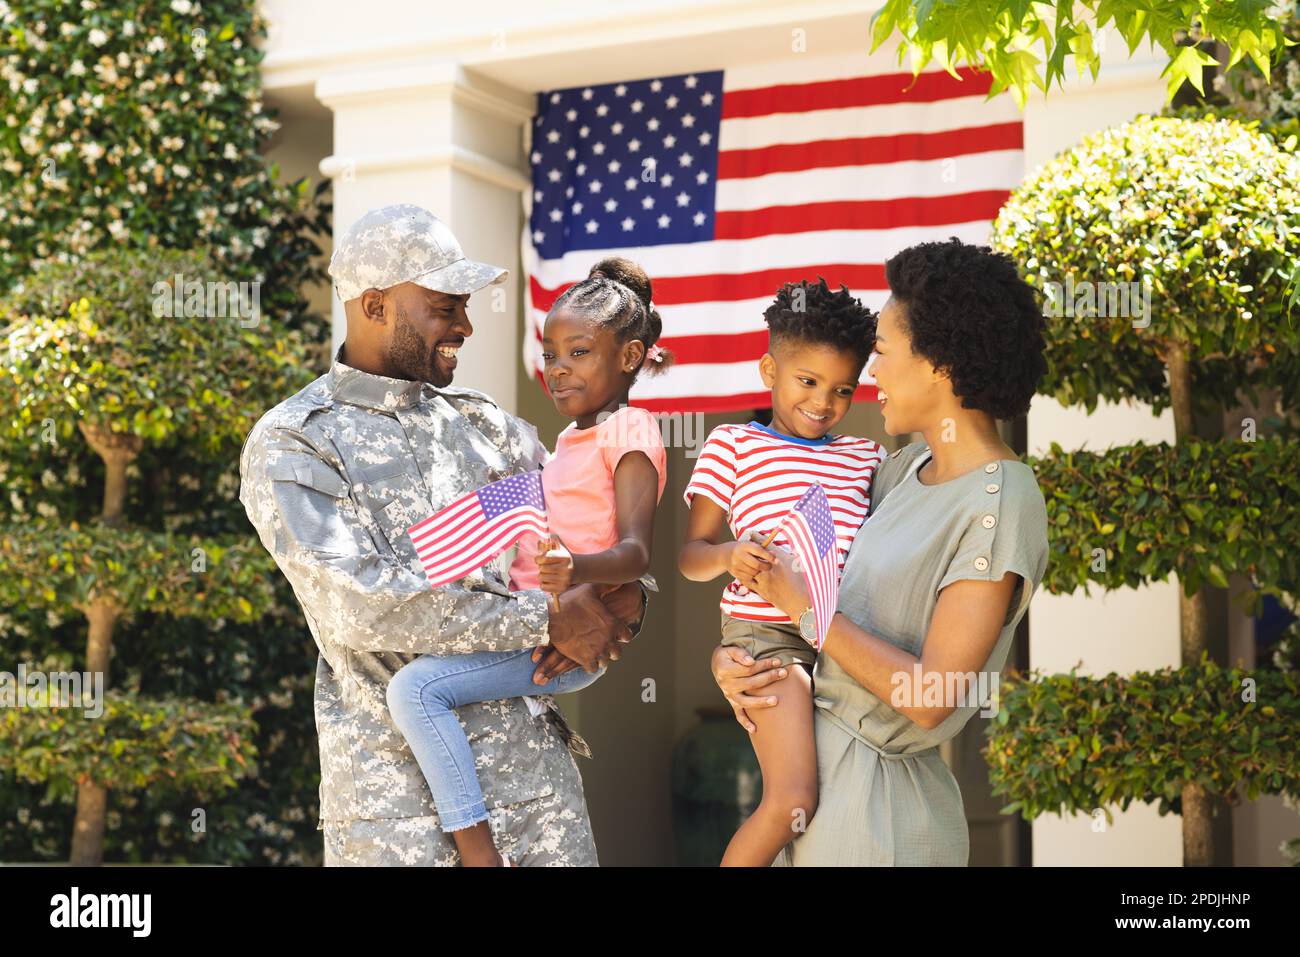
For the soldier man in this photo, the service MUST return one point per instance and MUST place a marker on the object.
(331, 479)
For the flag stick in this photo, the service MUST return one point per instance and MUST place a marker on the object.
(768, 540)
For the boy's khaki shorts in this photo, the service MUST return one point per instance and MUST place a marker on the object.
(767, 639)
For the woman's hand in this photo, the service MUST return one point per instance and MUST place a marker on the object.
(781, 584)
(739, 675)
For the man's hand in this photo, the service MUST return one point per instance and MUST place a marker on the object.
(622, 601)
(584, 630)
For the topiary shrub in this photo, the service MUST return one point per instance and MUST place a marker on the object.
(1198, 221)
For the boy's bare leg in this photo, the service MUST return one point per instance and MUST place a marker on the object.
(787, 755)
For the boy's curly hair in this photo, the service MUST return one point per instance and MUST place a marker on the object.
(970, 315)
(806, 312)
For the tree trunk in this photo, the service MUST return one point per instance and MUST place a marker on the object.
(92, 798)
(117, 449)
(1180, 391)
(88, 827)
(1193, 621)
(1198, 830)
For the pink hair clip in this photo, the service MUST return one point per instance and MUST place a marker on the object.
(655, 354)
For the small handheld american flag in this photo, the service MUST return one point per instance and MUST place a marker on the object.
(811, 532)
(479, 526)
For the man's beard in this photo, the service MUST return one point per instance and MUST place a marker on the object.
(408, 354)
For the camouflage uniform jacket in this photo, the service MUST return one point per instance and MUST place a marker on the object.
(331, 479)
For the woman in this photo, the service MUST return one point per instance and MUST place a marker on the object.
(938, 576)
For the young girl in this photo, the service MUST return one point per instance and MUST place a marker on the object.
(601, 488)
(749, 477)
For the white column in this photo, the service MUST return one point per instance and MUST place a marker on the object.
(441, 137)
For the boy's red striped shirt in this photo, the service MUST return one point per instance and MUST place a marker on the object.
(757, 475)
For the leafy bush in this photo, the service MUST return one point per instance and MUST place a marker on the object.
(1066, 743)
(1208, 212)
(138, 126)
(1205, 213)
(1202, 511)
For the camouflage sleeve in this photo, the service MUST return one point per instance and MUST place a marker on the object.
(524, 444)
(303, 514)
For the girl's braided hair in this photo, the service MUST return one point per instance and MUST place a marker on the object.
(617, 294)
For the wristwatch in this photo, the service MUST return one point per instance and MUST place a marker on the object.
(808, 626)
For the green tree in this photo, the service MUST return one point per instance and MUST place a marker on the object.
(139, 126)
(1206, 215)
(1000, 36)
(131, 348)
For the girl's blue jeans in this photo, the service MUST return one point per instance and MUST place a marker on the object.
(421, 697)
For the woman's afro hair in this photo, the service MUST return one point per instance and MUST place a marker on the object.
(970, 315)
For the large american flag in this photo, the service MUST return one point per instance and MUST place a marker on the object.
(479, 526)
(763, 175)
(811, 532)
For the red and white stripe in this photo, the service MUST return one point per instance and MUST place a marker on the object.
(757, 478)
(830, 172)
(821, 572)
(458, 539)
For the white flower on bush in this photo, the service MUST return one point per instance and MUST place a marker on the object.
(31, 85)
(77, 68)
(67, 29)
(230, 152)
(16, 503)
(128, 28)
(157, 45)
(48, 478)
(46, 510)
(91, 150)
(98, 37)
(182, 6)
(118, 230)
(172, 142)
(181, 170)
(260, 235)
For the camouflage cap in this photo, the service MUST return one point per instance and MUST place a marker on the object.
(405, 243)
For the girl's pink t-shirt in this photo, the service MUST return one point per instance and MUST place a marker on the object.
(578, 483)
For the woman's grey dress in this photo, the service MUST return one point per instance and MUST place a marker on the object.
(886, 797)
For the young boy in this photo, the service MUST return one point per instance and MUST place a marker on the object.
(749, 477)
